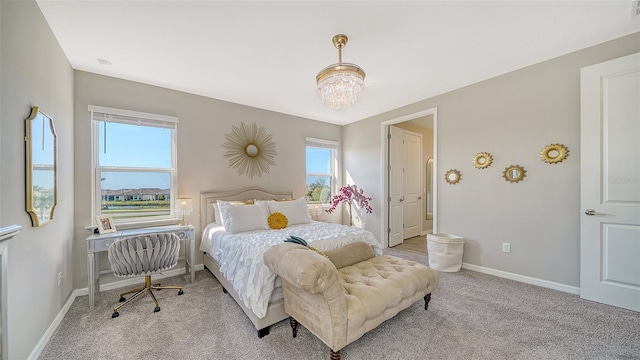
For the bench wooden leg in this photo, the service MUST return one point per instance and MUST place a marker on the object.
(427, 298)
(263, 332)
(294, 325)
(335, 355)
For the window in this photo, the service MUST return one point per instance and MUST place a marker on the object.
(321, 170)
(134, 162)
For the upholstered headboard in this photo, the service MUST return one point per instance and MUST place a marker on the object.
(207, 199)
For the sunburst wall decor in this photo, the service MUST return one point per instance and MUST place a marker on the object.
(250, 149)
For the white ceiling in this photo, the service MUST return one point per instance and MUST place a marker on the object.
(266, 54)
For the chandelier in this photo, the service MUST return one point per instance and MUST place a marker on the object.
(340, 85)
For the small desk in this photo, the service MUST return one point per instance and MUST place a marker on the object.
(97, 243)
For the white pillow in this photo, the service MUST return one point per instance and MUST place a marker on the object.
(295, 210)
(239, 218)
(216, 212)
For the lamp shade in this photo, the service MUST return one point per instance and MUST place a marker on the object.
(184, 206)
(340, 85)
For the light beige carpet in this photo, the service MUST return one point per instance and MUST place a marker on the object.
(471, 316)
(416, 244)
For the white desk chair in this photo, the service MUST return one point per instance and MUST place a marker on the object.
(144, 255)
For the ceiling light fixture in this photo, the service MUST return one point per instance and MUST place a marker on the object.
(340, 85)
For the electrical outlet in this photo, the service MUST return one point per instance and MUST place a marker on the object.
(506, 247)
(59, 279)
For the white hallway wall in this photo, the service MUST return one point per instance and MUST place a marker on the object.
(201, 165)
(34, 71)
(513, 117)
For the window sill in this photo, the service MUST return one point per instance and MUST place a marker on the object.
(139, 224)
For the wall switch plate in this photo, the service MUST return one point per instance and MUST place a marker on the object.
(506, 247)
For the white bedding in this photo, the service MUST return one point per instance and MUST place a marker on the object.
(240, 255)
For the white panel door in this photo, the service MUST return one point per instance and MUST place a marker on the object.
(395, 186)
(412, 158)
(610, 182)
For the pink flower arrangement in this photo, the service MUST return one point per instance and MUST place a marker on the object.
(349, 193)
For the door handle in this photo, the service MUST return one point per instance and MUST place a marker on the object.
(419, 197)
(592, 212)
(402, 199)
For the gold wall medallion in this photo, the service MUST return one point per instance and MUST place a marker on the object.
(453, 176)
(250, 149)
(514, 173)
(554, 153)
(482, 160)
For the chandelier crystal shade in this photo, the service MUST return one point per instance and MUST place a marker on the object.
(340, 85)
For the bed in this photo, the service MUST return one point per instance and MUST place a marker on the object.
(234, 256)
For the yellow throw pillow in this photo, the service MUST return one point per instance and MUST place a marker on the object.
(277, 220)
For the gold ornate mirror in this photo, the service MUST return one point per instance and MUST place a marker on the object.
(41, 147)
(514, 173)
(482, 160)
(429, 201)
(554, 153)
(452, 176)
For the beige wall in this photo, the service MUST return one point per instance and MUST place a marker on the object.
(513, 117)
(35, 72)
(201, 165)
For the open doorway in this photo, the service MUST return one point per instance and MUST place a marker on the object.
(425, 124)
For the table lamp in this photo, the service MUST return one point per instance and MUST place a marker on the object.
(184, 206)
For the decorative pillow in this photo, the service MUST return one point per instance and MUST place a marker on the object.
(216, 209)
(350, 254)
(277, 221)
(239, 218)
(296, 210)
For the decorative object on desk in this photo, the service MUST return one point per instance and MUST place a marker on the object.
(514, 173)
(554, 153)
(482, 160)
(340, 85)
(250, 149)
(452, 176)
(350, 194)
(184, 206)
(41, 164)
(105, 224)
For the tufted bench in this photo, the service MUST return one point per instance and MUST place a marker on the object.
(340, 297)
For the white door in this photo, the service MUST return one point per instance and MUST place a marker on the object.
(395, 186)
(610, 182)
(412, 159)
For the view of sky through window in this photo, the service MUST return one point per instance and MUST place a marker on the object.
(137, 147)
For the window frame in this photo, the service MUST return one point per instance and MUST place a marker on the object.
(142, 119)
(333, 147)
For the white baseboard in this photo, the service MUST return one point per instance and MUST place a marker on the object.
(525, 279)
(44, 340)
(136, 280)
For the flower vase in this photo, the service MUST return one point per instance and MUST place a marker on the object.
(350, 214)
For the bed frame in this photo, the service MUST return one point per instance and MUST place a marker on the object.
(275, 310)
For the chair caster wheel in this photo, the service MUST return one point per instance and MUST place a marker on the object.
(180, 292)
(122, 299)
(156, 309)
(115, 314)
